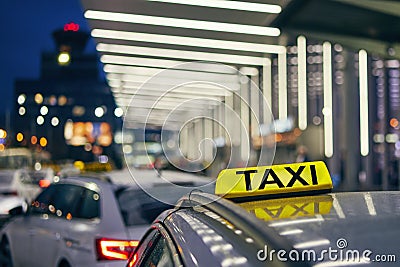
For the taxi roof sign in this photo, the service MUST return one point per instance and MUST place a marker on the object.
(273, 180)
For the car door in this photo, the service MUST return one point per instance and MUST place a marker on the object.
(83, 229)
(50, 230)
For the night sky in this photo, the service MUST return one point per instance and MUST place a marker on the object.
(26, 28)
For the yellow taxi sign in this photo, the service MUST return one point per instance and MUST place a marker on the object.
(272, 180)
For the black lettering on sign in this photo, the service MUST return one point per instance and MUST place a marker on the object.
(299, 209)
(313, 175)
(296, 176)
(274, 213)
(275, 179)
(247, 177)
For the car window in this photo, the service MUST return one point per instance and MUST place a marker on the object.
(138, 208)
(90, 205)
(159, 255)
(41, 204)
(66, 199)
(59, 200)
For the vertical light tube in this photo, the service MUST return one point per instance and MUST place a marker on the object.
(327, 110)
(363, 81)
(302, 82)
(245, 120)
(230, 133)
(282, 82)
(255, 106)
(267, 90)
(208, 149)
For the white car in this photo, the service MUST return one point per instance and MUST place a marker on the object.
(18, 183)
(82, 222)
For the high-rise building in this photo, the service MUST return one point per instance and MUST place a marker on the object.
(69, 110)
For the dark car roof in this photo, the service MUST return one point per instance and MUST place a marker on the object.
(357, 220)
(364, 220)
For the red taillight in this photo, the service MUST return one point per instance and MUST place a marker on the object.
(111, 249)
(44, 183)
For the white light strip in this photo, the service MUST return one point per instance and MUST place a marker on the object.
(182, 23)
(177, 95)
(291, 232)
(225, 81)
(194, 90)
(137, 61)
(297, 221)
(363, 79)
(171, 73)
(179, 54)
(310, 244)
(370, 204)
(226, 4)
(302, 82)
(171, 100)
(338, 208)
(202, 67)
(282, 83)
(267, 90)
(327, 110)
(187, 41)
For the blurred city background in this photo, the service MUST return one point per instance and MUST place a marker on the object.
(270, 81)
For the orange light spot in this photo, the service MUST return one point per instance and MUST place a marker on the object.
(43, 141)
(34, 140)
(394, 122)
(20, 137)
(278, 138)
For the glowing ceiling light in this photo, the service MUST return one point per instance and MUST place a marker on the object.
(208, 68)
(226, 4)
(364, 118)
(327, 110)
(302, 82)
(187, 41)
(179, 54)
(182, 23)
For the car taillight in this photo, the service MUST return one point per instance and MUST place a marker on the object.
(44, 183)
(112, 249)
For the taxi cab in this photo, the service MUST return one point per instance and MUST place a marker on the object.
(281, 215)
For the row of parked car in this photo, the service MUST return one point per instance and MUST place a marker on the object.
(80, 219)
